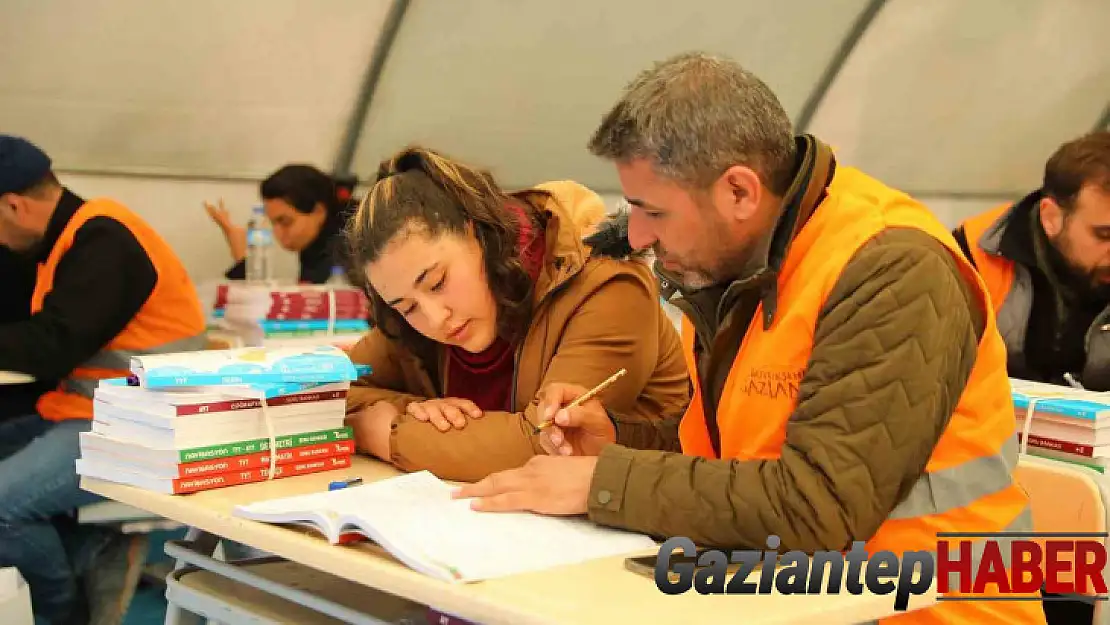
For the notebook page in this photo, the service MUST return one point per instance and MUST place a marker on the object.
(415, 516)
(336, 501)
(329, 504)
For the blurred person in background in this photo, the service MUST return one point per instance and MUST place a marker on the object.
(308, 210)
(107, 287)
(1046, 261)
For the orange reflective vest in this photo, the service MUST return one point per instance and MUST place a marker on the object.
(967, 485)
(171, 320)
(997, 272)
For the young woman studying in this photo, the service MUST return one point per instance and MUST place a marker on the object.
(481, 298)
(308, 211)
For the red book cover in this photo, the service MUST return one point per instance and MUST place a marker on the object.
(1068, 447)
(183, 486)
(262, 459)
(185, 410)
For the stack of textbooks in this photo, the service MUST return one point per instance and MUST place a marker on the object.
(1067, 424)
(182, 423)
(263, 312)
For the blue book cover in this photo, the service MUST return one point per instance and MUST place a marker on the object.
(1059, 400)
(341, 325)
(248, 365)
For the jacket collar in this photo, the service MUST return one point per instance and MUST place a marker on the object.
(1012, 236)
(323, 248)
(65, 209)
(815, 167)
(566, 255)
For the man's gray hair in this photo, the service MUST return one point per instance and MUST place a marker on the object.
(694, 116)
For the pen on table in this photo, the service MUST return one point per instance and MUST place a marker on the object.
(585, 397)
(1070, 379)
(340, 484)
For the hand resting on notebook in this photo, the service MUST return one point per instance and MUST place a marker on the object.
(547, 485)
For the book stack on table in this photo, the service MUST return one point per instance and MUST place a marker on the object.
(1067, 424)
(183, 423)
(260, 313)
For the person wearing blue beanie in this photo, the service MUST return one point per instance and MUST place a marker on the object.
(107, 286)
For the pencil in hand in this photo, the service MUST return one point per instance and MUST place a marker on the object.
(583, 398)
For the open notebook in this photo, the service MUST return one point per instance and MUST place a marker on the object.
(414, 518)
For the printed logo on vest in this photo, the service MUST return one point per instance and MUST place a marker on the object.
(773, 382)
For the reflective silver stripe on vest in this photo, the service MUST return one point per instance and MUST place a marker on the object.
(960, 486)
(1023, 522)
(80, 386)
(121, 359)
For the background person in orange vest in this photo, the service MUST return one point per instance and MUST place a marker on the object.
(1046, 261)
(849, 380)
(107, 287)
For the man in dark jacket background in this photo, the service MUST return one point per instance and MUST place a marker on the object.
(17, 274)
(1046, 261)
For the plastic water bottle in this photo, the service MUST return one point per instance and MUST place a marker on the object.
(260, 245)
(338, 277)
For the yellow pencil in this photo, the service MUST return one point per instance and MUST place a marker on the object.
(587, 396)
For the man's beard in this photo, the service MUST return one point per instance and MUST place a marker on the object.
(728, 264)
(1091, 282)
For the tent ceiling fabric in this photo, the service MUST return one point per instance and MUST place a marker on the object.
(945, 96)
(519, 86)
(969, 97)
(205, 87)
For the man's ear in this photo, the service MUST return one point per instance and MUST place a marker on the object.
(738, 192)
(9, 203)
(1052, 216)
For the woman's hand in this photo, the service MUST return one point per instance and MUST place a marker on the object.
(444, 413)
(236, 235)
(373, 426)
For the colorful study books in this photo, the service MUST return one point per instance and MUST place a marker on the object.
(263, 414)
(1067, 423)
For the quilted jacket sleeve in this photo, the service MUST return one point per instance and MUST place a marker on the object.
(892, 352)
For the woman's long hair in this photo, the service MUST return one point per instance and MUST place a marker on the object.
(420, 191)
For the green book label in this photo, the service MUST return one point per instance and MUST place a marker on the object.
(240, 448)
(1083, 462)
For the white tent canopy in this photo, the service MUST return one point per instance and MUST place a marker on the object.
(945, 99)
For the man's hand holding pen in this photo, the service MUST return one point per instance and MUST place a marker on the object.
(575, 430)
